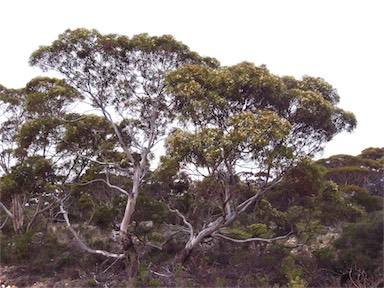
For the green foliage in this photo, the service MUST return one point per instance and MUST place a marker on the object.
(36, 133)
(293, 273)
(23, 247)
(360, 245)
(258, 230)
(325, 257)
(233, 97)
(49, 96)
(156, 237)
(87, 133)
(66, 261)
(51, 247)
(297, 282)
(334, 208)
(143, 276)
(244, 132)
(308, 201)
(91, 283)
(85, 202)
(103, 216)
(260, 281)
(154, 283)
(4, 249)
(349, 190)
(7, 188)
(370, 203)
(239, 233)
(357, 173)
(150, 209)
(34, 175)
(179, 275)
(300, 184)
(308, 229)
(32, 247)
(102, 61)
(253, 230)
(373, 153)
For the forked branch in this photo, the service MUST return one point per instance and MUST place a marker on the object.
(186, 222)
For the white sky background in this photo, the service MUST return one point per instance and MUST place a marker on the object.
(340, 41)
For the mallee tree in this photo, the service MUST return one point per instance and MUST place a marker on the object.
(123, 80)
(244, 128)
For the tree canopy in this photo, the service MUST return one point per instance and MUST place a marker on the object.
(242, 124)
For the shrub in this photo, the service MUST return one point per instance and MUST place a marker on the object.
(103, 217)
(23, 246)
(360, 246)
(150, 210)
(91, 283)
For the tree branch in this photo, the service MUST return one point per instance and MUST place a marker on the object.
(78, 239)
(5, 222)
(107, 183)
(216, 234)
(108, 116)
(38, 212)
(244, 205)
(112, 164)
(9, 213)
(186, 222)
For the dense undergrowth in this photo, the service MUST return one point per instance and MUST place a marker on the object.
(335, 257)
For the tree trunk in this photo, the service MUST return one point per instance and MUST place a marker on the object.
(195, 240)
(129, 209)
(17, 212)
(183, 255)
(126, 238)
(131, 202)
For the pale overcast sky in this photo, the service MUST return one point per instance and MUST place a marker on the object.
(340, 41)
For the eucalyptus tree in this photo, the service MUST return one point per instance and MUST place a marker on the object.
(12, 115)
(29, 132)
(123, 79)
(361, 172)
(242, 128)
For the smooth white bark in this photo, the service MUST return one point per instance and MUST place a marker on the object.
(80, 241)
